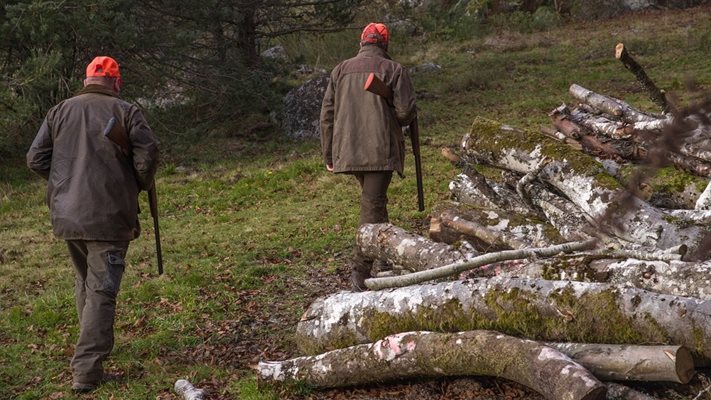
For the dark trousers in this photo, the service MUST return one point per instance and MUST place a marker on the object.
(373, 208)
(99, 267)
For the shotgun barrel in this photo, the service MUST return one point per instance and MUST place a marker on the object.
(115, 132)
(376, 86)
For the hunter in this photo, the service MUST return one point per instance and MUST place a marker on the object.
(92, 194)
(361, 133)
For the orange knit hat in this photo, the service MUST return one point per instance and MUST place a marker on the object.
(103, 66)
(375, 33)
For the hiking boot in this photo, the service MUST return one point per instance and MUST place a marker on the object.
(86, 387)
(358, 281)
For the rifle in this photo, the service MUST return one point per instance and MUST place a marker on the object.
(116, 134)
(374, 85)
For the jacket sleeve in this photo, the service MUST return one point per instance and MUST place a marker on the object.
(326, 120)
(144, 147)
(404, 98)
(39, 157)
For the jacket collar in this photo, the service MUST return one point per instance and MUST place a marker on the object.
(373, 51)
(97, 89)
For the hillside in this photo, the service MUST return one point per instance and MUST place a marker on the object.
(254, 229)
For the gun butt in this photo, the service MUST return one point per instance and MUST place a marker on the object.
(374, 85)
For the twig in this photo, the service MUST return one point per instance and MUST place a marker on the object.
(698, 396)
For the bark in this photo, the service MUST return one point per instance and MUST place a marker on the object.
(703, 202)
(582, 180)
(534, 309)
(676, 278)
(600, 124)
(616, 391)
(656, 95)
(429, 354)
(472, 263)
(690, 164)
(562, 122)
(467, 191)
(187, 391)
(600, 102)
(617, 362)
(450, 219)
(412, 252)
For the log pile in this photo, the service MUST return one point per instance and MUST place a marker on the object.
(569, 260)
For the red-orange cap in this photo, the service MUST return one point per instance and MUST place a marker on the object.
(103, 66)
(375, 33)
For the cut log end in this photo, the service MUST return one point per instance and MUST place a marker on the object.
(684, 365)
(619, 50)
(598, 393)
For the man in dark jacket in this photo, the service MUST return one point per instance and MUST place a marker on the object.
(361, 133)
(92, 194)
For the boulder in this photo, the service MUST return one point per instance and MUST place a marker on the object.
(302, 108)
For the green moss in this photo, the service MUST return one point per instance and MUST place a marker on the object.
(592, 317)
(488, 137)
(672, 180)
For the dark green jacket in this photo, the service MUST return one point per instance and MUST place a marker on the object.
(92, 188)
(361, 131)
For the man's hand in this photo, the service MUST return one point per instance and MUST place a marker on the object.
(329, 167)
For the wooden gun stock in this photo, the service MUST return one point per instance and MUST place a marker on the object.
(374, 85)
(114, 132)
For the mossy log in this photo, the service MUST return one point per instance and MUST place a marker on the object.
(582, 180)
(631, 362)
(409, 251)
(558, 311)
(429, 354)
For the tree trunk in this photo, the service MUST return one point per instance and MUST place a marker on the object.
(676, 278)
(412, 252)
(617, 362)
(450, 219)
(429, 354)
(534, 309)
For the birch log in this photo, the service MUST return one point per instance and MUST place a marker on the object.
(429, 354)
(410, 251)
(582, 180)
(535, 309)
(618, 362)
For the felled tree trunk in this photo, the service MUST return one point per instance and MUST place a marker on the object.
(466, 227)
(582, 180)
(536, 309)
(412, 252)
(428, 354)
(631, 363)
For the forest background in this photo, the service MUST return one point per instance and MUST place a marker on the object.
(254, 228)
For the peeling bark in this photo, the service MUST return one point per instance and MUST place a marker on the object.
(530, 308)
(429, 354)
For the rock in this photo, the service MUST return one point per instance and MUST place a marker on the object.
(427, 67)
(275, 53)
(302, 108)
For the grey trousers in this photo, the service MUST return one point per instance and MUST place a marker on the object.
(99, 268)
(373, 208)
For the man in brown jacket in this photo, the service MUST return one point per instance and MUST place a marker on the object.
(92, 193)
(361, 133)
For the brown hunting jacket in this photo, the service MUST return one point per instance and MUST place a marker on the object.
(92, 187)
(361, 131)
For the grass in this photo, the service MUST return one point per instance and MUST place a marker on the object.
(254, 230)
